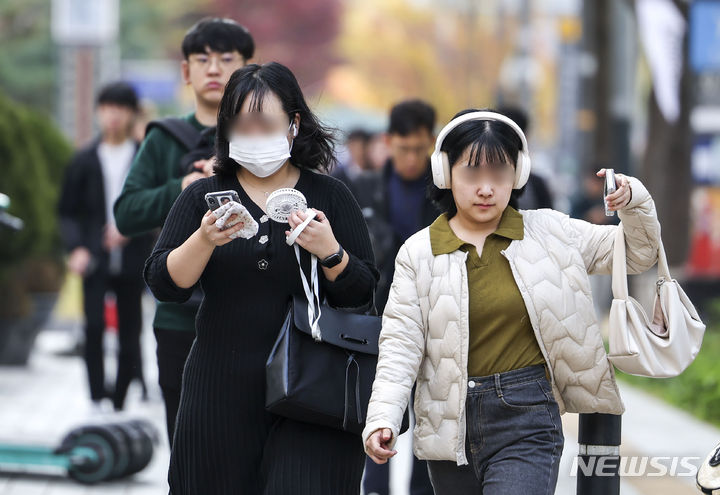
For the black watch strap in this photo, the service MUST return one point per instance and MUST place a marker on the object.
(333, 259)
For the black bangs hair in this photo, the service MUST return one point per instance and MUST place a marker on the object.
(491, 143)
(118, 93)
(219, 35)
(411, 116)
(312, 149)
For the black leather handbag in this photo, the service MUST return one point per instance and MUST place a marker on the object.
(323, 375)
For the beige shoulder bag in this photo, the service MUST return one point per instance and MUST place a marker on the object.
(660, 348)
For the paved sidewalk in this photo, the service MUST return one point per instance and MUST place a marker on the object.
(43, 401)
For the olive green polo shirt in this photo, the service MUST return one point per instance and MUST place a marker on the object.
(501, 335)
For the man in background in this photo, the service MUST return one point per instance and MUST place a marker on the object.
(106, 260)
(355, 160)
(175, 153)
(395, 204)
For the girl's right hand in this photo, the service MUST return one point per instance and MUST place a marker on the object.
(377, 446)
(213, 235)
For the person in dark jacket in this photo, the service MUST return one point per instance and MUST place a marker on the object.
(213, 49)
(395, 205)
(356, 161)
(105, 259)
(394, 198)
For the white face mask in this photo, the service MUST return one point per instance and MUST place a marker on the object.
(262, 156)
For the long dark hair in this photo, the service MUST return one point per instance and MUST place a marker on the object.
(314, 144)
(490, 142)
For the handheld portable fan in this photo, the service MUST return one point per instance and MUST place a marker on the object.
(282, 203)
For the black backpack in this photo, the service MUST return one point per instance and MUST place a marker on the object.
(200, 145)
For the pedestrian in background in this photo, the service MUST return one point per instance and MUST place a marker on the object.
(165, 165)
(107, 261)
(356, 160)
(396, 205)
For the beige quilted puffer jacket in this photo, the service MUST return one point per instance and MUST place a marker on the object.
(425, 329)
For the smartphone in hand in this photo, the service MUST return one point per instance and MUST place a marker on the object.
(216, 199)
(610, 187)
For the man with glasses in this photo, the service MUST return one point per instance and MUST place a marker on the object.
(395, 204)
(167, 162)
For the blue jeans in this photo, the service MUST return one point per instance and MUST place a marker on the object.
(514, 438)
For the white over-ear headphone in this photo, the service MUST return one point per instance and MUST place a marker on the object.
(441, 164)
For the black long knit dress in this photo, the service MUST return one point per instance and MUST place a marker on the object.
(225, 442)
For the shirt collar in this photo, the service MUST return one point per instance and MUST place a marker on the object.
(192, 119)
(444, 241)
(511, 225)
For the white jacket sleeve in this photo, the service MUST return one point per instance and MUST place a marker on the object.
(402, 344)
(642, 233)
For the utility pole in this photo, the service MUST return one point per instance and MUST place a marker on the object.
(85, 32)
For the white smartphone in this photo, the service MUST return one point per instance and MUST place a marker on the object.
(610, 187)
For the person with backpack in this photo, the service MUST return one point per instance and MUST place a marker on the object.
(175, 153)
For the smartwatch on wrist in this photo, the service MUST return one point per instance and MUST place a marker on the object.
(333, 259)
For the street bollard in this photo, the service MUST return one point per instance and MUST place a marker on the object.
(598, 471)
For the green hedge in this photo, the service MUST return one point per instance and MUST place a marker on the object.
(34, 154)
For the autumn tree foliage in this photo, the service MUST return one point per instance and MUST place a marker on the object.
(300, 35)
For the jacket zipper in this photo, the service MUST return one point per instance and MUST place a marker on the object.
(463, 369)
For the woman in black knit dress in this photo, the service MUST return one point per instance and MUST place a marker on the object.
(225, 442)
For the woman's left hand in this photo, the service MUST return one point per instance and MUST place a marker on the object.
(622, 195)
(317, 237)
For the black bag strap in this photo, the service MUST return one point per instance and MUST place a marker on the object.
(181, 130)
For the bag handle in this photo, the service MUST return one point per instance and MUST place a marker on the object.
(312, 293)
(619, 265)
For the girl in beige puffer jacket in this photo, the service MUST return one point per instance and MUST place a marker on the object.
(490, 315)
